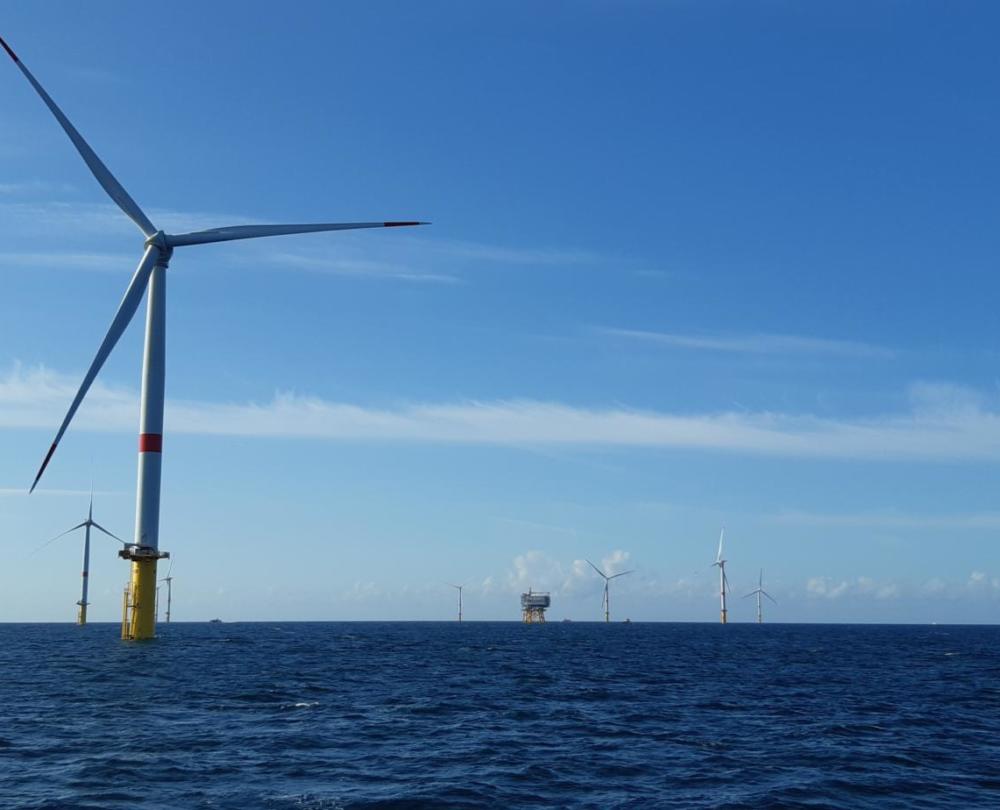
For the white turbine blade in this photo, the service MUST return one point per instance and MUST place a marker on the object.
(47, 542)
(770, 597)
(623, 573)
(718, 556)
(98, 169)
(126, 309)
(256, 231)
(752, 593)
(100, 528)
(598, 570)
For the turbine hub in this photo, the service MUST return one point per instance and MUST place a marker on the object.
(159, 241)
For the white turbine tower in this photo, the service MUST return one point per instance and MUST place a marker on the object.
(459, 588)
(169, 580)
(140, 607)
(81, 616)
(606, 601)
(759, 592)
(723, 580)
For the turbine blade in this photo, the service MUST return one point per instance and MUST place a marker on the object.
(98, 169)
(623, 573)
(126, 309)
(598, 570)
(47, 542)
(722, 534)
(99, 527)
(256, 231)
(752, 593)
(770, 597)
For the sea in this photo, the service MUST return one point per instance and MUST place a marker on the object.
(500, 714)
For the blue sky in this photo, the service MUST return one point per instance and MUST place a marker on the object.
(692, 264)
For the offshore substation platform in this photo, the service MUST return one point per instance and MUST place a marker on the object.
(533, 606)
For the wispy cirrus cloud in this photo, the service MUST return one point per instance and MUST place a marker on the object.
(359, 268)
(891, 520)
(68, 260)
(356, 255)
(757, 343)
(515, 255)
(37, 398)
(35, 187)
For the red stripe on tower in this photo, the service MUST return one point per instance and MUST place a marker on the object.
(150, 442)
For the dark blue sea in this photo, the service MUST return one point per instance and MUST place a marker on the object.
(411, 715)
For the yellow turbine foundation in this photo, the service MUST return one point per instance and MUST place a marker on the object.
(139, 614)
(81, 615)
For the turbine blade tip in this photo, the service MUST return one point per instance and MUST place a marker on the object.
(402, 224)
(10, 52)
(45, 464)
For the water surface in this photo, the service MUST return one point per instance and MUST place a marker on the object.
(409, 715)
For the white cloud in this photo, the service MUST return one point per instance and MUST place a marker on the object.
(980, 582)
(541, 572)
(823, 586)
(615, 562)
(535, 570)
(38, 398)
(761, 343)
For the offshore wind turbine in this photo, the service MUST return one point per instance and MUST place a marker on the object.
(759, 591)
(81, 615)
(459, 587)
(140, 595)
(606, 601)
(723, 580)
(169, 580)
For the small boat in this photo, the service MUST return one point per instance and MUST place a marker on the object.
(215, 621)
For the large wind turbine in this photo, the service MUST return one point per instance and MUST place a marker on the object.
(723, 580)
(606, 601)
(459, 587)
(140, 607)
(759, 591)
(81, 616)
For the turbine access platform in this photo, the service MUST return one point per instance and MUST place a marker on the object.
(533, 606)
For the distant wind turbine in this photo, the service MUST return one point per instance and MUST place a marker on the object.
(81, 616)
(459, 588)
(140, 600)
(606, 601)
(169, 580)
(759, 591)
(723, 580)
